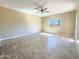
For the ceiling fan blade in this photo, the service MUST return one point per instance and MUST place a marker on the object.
(37, 8)
(39, 12)
(47, 11)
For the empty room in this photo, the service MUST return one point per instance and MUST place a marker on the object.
(39, 29)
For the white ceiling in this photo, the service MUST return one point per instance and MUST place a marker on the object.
(54, 6)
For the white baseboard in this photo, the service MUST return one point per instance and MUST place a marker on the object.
(16, 36)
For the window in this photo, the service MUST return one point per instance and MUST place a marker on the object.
(54, 22)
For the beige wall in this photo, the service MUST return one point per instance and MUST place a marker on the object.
(77, 29)
(13, 23)
(67, 26)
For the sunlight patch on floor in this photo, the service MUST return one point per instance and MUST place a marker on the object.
(63, 38)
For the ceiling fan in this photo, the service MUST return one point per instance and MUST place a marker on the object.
(41, 8)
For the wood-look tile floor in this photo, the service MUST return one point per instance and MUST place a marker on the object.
(38, 46)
